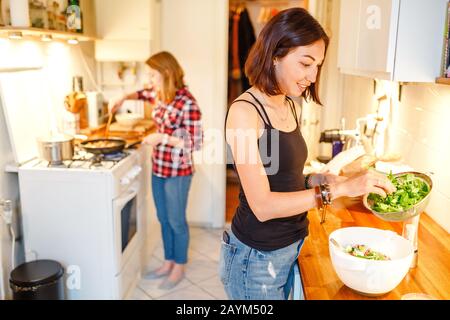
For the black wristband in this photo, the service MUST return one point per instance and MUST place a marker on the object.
(307, 185)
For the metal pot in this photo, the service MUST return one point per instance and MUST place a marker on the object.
(56, 148)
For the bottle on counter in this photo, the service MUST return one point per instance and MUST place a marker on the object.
(70, 122)
(76, 103)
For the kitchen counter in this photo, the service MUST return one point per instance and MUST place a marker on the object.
(320, 281)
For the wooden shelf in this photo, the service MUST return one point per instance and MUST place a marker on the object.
(443, 80)
(33, 33)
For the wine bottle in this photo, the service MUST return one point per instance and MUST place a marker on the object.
(74, 23)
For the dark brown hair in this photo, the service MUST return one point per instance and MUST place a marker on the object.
(287, 30)
(171, 72)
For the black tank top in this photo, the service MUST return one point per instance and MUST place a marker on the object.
(276, 233)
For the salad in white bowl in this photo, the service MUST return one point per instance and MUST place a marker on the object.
(368, 260)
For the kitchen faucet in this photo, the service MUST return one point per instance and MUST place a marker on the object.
(359, 136)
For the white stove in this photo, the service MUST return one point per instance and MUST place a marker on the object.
(84, 214)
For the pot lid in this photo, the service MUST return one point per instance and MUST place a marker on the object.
(60, 137)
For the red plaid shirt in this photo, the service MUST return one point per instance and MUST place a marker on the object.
(180, 118)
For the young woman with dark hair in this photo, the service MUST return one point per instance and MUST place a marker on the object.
(269, 153)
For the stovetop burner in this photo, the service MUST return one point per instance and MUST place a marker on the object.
(57, 165)
(97, 161)
(115, 156)
(86, 160)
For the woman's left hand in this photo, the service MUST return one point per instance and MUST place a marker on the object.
(153, 139)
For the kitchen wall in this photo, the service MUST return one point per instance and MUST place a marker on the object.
(418, 121)
(418, 130)
(134, 78)
(318, 118)
(9, 189)
(199, 41)
(59, 62)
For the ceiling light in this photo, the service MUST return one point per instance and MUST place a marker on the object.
(72, 41)
(15, 35)
(46, 37)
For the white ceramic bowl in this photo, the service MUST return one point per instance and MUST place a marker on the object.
(128, 119)
(371, 277)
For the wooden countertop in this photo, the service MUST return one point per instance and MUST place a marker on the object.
(320, 281)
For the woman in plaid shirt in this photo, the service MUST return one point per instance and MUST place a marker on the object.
(179, 133)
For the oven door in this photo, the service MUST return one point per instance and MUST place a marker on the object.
(126, 208)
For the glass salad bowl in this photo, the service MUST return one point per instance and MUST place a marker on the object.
(406, 214)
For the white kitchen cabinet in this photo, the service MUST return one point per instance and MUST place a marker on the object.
(128, 30)
(399, 40)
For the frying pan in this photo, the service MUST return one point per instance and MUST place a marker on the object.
(117, 145)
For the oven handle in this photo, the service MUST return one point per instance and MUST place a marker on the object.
(130, 194)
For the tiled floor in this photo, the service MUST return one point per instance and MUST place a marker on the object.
(201, 281)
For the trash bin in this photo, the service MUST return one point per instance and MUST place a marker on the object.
(38, 280)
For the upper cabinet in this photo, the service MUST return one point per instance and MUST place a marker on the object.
(399, 40)
(39, 28)
(129, 30)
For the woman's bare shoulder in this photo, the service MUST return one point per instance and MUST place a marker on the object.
(242, 113)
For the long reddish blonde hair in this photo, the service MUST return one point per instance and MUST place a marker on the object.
(171, 72)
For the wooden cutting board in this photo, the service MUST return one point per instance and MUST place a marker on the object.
(141, 127)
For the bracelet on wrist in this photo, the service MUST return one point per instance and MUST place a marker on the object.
(323, 199)
(318, 197)
(308, 181)
(325, 193)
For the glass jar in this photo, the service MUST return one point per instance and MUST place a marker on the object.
(5, 13)
(56, 12)
(38, 14)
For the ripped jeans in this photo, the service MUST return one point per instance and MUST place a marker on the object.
(250, 274)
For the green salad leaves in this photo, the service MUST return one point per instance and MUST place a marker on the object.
(362, 251)
(410, 191)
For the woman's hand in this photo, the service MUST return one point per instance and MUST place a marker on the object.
(153, 139)
(157, 138)
(361, 184)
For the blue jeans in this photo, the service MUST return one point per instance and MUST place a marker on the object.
(250, 274)
(170, 196)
